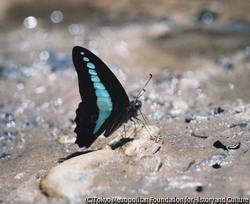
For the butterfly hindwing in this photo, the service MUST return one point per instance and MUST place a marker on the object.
(103, 97)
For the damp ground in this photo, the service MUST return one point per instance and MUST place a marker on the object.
(199, 55)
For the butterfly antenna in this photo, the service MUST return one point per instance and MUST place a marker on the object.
(146, 121)
(143, 88)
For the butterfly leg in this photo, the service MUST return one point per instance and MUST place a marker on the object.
(124, 130)
(145, 122)
(137, 119)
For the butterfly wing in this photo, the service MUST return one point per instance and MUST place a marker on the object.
(103, 97)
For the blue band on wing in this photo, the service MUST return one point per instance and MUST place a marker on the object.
(95, 78)
(98, 85)
(104, 105)
(104, 93)
(92, 72)
(86, 59)
(90, 65)
(103, 102)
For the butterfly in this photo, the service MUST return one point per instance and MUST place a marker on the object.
(105, 106)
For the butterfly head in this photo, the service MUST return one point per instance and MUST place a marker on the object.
(136, 105)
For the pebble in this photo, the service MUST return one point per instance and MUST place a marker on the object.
(66, 139)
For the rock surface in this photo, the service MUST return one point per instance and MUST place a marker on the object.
(76, 176)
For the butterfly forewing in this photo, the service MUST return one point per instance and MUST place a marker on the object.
(103, 97)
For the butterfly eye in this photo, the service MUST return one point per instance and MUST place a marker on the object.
(138, 105)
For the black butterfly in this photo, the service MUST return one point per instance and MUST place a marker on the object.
(105, 105)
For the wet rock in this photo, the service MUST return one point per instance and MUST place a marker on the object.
(234, 147)
(76, 176)
(199, 188)
(218, 144)
(216, 166)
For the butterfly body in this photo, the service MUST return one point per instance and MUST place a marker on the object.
(105, 105)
